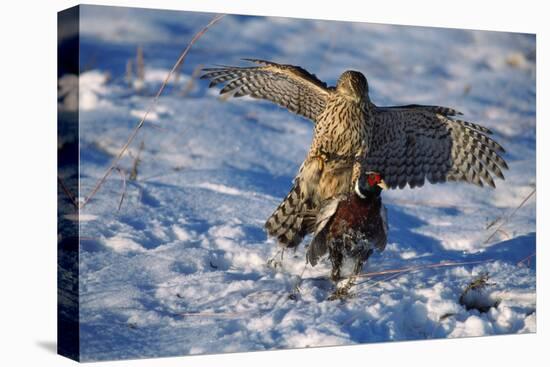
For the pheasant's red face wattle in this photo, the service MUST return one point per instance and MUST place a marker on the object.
(373, 179)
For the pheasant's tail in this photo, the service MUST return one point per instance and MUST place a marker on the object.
(319, 226)
(316, 249)
(287, 221)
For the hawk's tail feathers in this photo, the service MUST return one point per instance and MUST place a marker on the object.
(287, 221)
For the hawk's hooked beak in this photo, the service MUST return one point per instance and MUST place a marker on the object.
(382, 184)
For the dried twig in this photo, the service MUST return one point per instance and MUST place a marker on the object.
(189, 86)
(296, 289)
(505, 220)
(67, 192)
(123, 177)
(475, 295)
(137, 161)
(422, 267)
(394, 273)
(149, 108)
(378, 281)
(140, 64)
(527, 258)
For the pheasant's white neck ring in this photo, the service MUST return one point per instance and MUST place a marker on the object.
(358, 191)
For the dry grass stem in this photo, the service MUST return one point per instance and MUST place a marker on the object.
(137, 161)
(123, 194)
(153, 103)
(191, 83)
(67, 192)
(422, 267)
(140, 64)
(526, 259)
(507, 219)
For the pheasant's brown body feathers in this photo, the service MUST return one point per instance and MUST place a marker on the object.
(349, 227)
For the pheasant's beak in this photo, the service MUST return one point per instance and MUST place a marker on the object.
(383, 185)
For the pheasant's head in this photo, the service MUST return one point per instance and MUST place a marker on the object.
(370, 184)
(353, 84)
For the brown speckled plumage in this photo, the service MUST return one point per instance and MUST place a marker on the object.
(406, 144)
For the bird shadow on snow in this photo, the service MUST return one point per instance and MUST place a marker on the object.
(403, 231)
(259, 179)
(513, 250)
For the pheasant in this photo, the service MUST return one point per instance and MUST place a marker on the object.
(350, 227)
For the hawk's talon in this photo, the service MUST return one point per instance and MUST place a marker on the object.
(273, 262)
(343, 292)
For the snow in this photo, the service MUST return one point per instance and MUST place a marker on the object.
(181, 268)
(122, 244)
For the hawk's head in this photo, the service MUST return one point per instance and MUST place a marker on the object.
(353, 84)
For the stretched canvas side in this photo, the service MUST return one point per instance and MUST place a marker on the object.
(68, 328)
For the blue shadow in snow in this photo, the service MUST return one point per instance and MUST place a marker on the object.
(512, 251)
(402, 230)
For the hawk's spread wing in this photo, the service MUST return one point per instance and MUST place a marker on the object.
(413, 143)
(286, 85)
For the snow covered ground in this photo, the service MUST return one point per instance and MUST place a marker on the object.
(181, 267)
